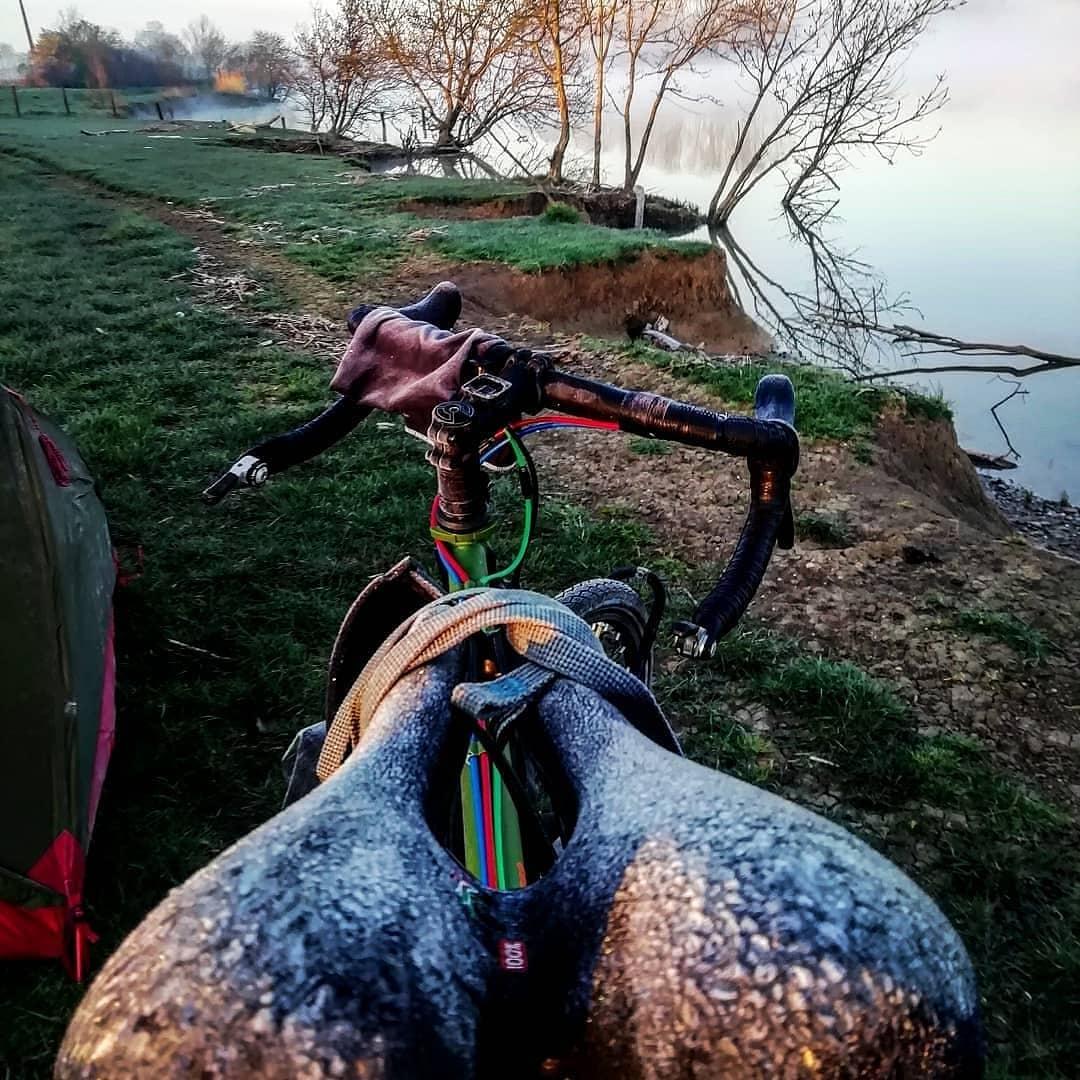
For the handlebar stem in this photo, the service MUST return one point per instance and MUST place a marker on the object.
(455, 454)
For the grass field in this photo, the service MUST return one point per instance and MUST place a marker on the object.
(98, 328)
(38, 101)
(331, 217)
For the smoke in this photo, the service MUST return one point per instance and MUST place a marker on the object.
(223, 106)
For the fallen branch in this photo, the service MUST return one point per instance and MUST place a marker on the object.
(665, 341)
(929, 343)
(999, 462)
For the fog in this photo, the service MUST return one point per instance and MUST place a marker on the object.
(982, 231)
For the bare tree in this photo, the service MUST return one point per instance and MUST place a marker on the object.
(660, 39)
(208, 46)
(468, 62)
(269, 64)
(559, 27)
(600, 22)
(827, 76)
(341, 78)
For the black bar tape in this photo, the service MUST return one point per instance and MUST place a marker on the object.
(310, 439)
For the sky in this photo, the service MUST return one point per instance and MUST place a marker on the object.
(239, 17)
(236, 19)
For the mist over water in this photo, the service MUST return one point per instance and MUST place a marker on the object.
(982, 231)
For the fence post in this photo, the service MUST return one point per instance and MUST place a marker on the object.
(282, 121)
(382, 120)
(67, 106)
(639, 207)
(15, 98)
(160, 114)
(112, 101)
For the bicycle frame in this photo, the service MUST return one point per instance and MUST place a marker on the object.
(491, 830)
(460, 437)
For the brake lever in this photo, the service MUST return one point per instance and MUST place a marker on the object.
(691, 640)
(249, 471)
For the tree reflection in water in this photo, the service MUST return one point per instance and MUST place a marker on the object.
(833, 321)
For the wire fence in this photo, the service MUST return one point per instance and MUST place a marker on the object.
(20, 101)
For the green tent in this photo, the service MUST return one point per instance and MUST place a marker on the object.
(56, 655)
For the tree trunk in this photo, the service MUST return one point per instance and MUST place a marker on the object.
(598, 114)
(635, 172)
(446, 128)
(628, 138)
(555, 169)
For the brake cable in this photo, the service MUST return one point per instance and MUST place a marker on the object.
(527, 476)
(511, 437)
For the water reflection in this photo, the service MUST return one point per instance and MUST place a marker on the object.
(458, 166)
(831, 322)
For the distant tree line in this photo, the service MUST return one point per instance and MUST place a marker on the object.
(80, 53)
(821, 79)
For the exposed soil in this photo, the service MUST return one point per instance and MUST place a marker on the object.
(615, 209)
(527, 204)
(925, 455)
(867, 602)
(691, 291)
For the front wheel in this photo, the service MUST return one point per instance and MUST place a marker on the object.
(618, 618)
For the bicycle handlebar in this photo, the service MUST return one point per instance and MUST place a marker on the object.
(644, 413)
(282, 452)
(767, 440)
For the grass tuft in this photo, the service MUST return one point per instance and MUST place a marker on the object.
(557, 212)
(829, 530)
(1025, 640)
(927, 406)
(654, 447)
(854, 720)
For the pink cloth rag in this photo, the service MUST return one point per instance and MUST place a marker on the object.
(403, 366)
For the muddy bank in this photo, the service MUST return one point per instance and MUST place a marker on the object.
(613, 209)
(926, 455)
(690, 290)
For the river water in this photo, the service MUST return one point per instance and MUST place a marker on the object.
(982, 231)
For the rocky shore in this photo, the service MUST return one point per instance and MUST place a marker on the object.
(1049, 523)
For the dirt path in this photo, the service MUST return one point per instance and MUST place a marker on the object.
(894, 615)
